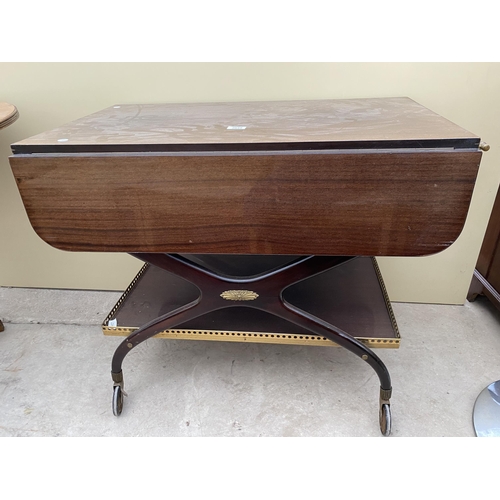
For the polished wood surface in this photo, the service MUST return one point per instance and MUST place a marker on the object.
(349, 296)
(324, 203)
(486, 279)
(8, 114)
(488, 262)
(328, 124)
(268, 297)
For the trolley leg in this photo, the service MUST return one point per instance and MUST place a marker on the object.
(165, 322)
(269, 287)
(315, 325)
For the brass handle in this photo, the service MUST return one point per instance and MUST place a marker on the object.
(483, 146)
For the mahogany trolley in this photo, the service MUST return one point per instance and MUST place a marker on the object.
(257, 221)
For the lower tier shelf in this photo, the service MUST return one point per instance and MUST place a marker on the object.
(351, 296)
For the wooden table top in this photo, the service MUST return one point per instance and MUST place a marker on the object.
(318, 124)
(8, 114)
(332, 177)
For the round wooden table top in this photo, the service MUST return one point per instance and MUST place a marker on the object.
(8, 114)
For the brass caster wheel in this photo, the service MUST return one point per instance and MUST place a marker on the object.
(117, 400)
(385, 419)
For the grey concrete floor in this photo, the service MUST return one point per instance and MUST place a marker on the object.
(55, 376)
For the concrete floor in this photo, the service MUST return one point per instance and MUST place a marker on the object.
(55, 376)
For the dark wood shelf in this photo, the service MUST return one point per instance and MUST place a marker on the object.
(351, 296)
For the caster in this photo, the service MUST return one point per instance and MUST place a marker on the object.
(117, 400)
(385, 419)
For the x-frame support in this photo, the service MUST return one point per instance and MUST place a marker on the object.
(264, 292)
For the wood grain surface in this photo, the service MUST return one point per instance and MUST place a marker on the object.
(488, 262)
(349, 296)
(328, 124)
(364, 203)
(8, 114)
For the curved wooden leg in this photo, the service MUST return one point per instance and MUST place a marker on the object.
(320, 327)
(269, 288)
(315, 325)
(165, 322)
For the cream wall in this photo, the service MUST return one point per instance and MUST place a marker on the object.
(48, 95)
